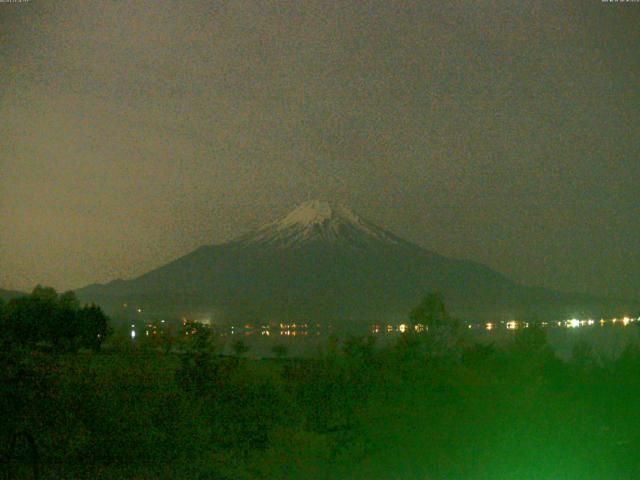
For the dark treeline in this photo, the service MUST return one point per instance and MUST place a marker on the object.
(427, 406)
(45, 319)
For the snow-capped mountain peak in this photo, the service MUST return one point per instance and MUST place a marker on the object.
(318, 221)
(317, 212)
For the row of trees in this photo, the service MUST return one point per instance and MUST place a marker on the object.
(48, 319)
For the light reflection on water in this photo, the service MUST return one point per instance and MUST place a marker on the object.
(606, 338)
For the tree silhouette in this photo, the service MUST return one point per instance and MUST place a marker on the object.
(444, 332)
(431, 312)
(93, 327)
(45, 319)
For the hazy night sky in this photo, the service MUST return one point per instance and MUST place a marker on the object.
(503, 132)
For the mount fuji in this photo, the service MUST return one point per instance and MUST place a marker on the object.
(323, 263)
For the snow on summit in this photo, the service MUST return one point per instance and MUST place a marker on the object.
(318, 221)
(317, 212)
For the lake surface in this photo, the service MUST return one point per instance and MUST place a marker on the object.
(606, 341)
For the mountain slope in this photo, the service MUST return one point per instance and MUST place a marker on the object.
(7, 295)
(324, 263)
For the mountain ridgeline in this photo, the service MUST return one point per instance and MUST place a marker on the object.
(6, 295)
(323, 263)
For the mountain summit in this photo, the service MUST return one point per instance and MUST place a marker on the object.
(315, 222)
(317, 212)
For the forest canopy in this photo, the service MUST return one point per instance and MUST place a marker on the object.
(47, 319)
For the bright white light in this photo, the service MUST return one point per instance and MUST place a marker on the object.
(133, 334)
(573, 323)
